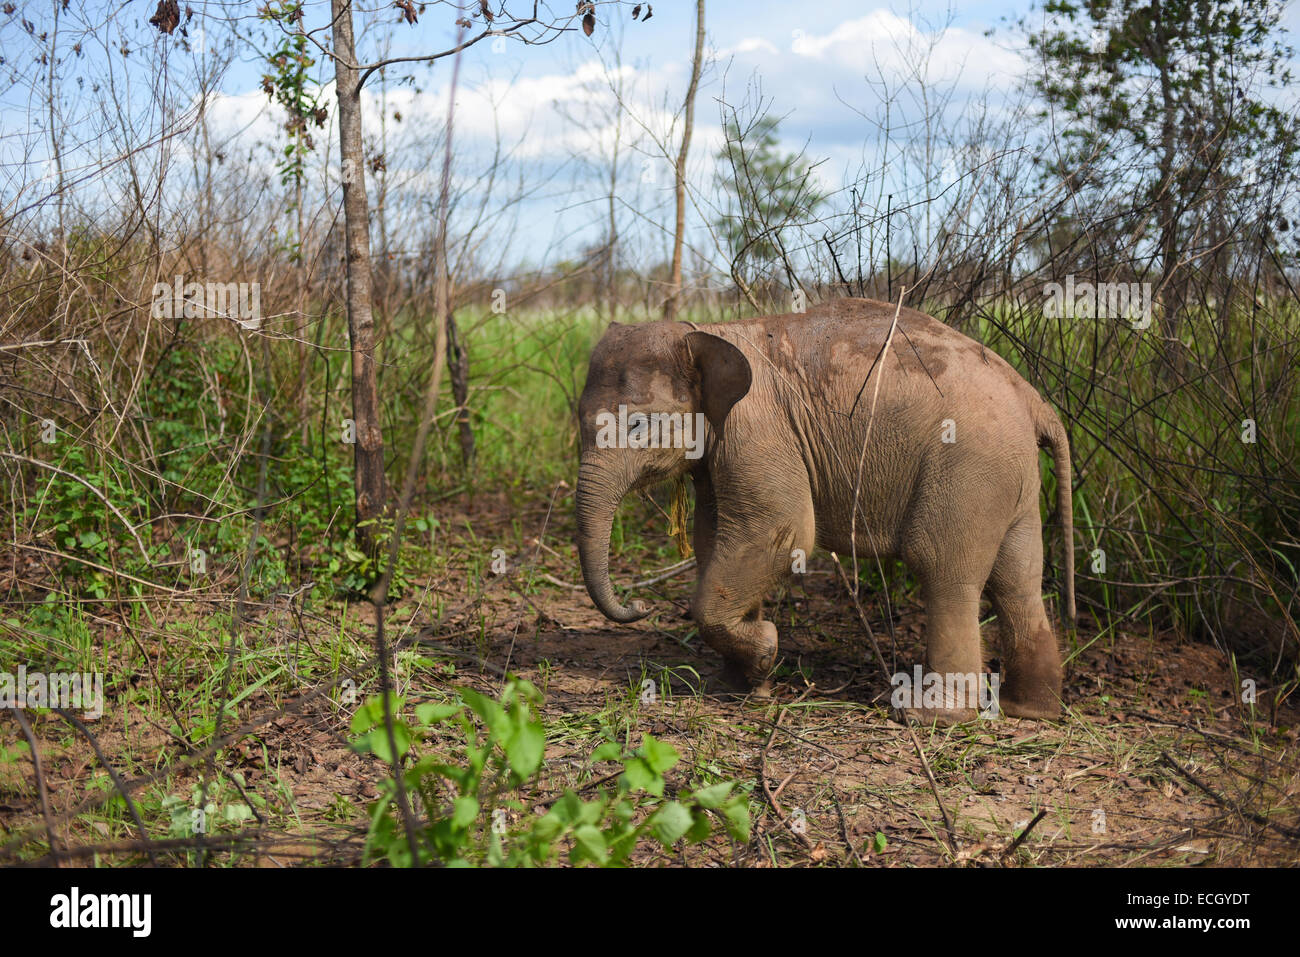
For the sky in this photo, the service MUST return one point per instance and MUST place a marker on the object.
(811, 73)
(816, 67)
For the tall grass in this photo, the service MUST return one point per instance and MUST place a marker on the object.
(160, 427)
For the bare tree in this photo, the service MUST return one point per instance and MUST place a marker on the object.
(370, 484)
(673, 303)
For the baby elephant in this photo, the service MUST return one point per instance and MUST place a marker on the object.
(858, 427)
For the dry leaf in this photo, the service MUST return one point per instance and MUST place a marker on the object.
(167, 16)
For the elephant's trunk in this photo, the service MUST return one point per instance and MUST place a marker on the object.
(600, 489)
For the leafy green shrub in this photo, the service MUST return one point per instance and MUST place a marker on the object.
(468, 800)
(79, 523)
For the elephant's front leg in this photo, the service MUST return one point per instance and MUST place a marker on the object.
(728, 610)
(747, 562)
(706, 518)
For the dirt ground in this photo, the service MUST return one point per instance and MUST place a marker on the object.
(1157, 761)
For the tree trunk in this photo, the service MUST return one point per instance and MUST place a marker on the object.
(458, 366)
(673, 303)
(370, 485)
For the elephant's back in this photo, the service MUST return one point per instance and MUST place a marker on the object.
(884, 440)
(830, 349)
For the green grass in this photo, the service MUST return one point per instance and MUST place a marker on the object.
(1161, 515)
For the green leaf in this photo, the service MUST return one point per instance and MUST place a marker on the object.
(548, 827)
(429, 764)
(879, 843)
(377, 739)
(737, 817)
(701, 827)
(372, 712)
(588, 845)
(463, 811)
(491, 713)
(520, 690)
(659, 755)
(431, 713)
(567, 809)
(526, 749)
(591, 812)
(609, 751)
(714, 796)
(363, 719)
(637, 776)
(670, 822)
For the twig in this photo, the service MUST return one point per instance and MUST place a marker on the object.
(594, 782)
(117, 781)
(762, 774)
(40, 783)
(663, 575)
(1225, 801)
(844, 827)
(144, 552)
(953, 844)
(1020, 839)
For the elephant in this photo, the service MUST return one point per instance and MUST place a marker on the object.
(857, 426)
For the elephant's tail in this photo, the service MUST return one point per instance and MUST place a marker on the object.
(1051, 434)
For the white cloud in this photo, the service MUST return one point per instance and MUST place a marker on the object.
(749, 45)
(883, 42)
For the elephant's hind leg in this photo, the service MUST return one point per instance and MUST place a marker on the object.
(953, 663)
(1031, 686)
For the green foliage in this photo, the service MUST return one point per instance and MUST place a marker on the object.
(470, 797)
(218, 808)
(352, 572)
(1175, 90)
(289, 85)
(1164, 483)
(528, 371)
(81, 524)
(765, 189)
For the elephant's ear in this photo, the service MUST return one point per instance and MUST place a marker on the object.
(724, 374)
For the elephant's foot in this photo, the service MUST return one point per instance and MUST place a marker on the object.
(737, 679)
(1031, 659)
(935, 717)
(1031, 692)
(748, 649)
(1031, 687)
(1033, 707)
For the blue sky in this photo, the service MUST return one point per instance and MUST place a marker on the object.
(814, 65)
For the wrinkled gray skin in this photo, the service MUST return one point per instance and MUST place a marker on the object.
(788, 401)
